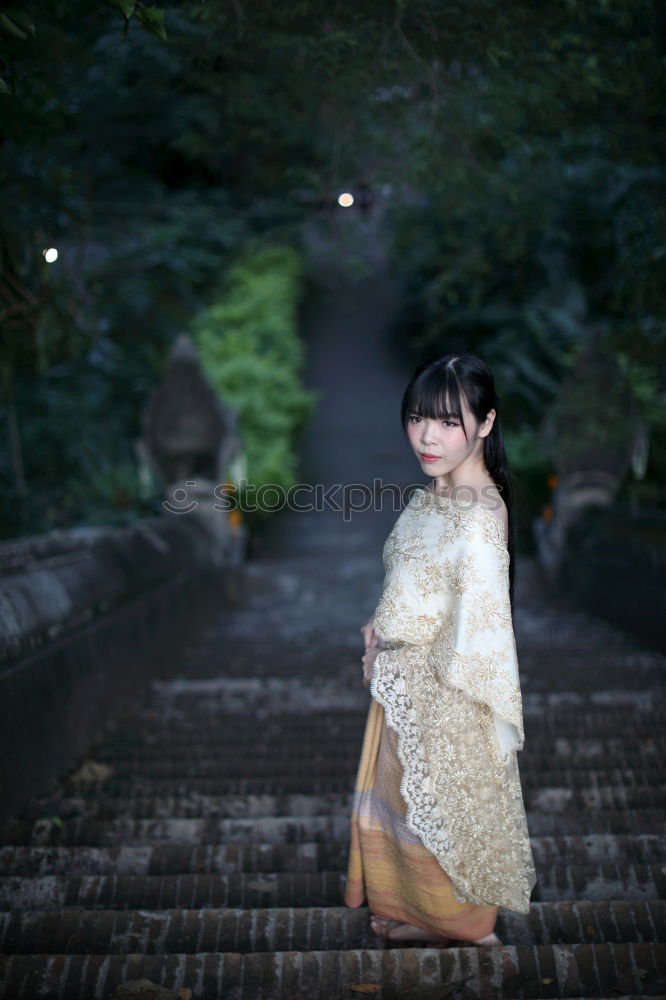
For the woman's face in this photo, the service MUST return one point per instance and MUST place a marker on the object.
(445, 441)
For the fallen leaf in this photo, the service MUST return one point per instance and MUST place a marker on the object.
(92, 770)
(590, 931)
(366, 988)
(547, 982)
(262, 885)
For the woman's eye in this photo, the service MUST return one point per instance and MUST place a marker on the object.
(449, 423)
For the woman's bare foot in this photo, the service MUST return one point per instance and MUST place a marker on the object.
(490, 940)
(396, 930)
(382, 925)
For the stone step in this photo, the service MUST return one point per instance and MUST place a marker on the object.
(599, 848)
(272, 829)
(582, 822)
(554, 678)
(561, 797)
(558, 678)
(133, 787)
(327, 748)
(352, 701)
(179, 737)
(294, 730)
(525, 971)
(303, 889)
(647, 699)
(216, 688)
(305, 694)
(572, 754)
(176, 859)
(223, 691)
(205, 754)
(194, 806)
(293, 829)
(620, 651)
(198, 806)
(309, 856)
(86, 932)
(548, 654)
(315, 766)
(121, 787)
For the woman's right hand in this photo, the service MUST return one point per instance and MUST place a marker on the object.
(368, 661)
(370, 637)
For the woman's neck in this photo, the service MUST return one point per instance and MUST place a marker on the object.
(465, 489)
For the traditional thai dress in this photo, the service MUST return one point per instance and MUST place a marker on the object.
(439, 836)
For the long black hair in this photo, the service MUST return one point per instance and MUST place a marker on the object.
(435, 390)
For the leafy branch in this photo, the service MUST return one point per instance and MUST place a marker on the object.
(151, 18)
(16, 23)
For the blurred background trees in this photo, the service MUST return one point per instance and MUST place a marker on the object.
(173, 153)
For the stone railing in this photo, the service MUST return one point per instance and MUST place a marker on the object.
(87, 618)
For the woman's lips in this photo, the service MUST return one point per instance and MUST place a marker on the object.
(429, 458)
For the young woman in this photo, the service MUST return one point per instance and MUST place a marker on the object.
(439, 837)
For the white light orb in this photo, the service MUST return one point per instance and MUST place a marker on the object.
(50, 255)
(346, 200)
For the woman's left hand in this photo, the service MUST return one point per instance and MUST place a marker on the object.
(368, 660)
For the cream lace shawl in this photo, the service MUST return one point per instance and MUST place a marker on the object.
(448, 681)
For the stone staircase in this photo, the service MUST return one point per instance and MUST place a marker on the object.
(202, 843)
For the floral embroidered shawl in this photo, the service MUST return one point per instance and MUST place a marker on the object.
(448, 680)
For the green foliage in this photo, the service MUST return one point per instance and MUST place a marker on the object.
(151, 18)
(16, 23)
(537, 212)
(250, 349)
(520, 142)
(77, 424)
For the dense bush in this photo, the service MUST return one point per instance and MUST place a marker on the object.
(250, 349)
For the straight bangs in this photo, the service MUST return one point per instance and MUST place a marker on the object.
(434, 394)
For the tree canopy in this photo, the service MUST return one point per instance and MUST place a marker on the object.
(522, 144)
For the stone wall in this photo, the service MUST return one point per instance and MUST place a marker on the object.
(87, 619)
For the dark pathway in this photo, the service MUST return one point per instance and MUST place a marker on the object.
(202, 845)
(355, 436)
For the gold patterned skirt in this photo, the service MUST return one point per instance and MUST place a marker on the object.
(388, 863)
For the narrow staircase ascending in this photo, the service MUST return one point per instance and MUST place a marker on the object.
(202, 844)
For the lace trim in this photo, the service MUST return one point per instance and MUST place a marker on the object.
(416, 777)
(484, 848)
(415, 781)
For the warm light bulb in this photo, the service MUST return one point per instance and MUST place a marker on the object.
(50, 255)
(346, 200)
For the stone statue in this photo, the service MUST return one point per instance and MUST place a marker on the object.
(191, 442)
(593, 435)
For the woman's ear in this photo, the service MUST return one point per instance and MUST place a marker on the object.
(487, 425)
